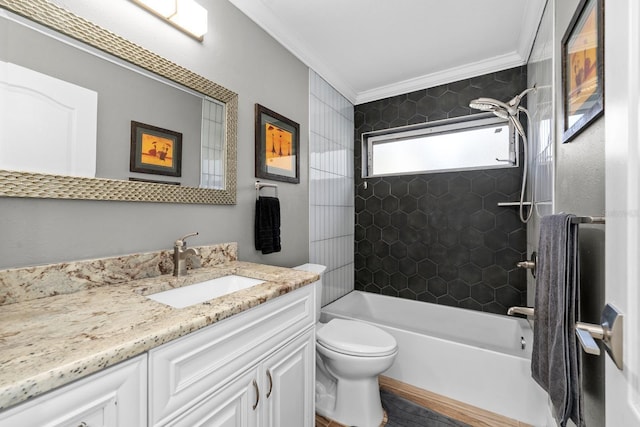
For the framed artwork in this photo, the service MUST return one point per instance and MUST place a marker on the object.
(277, 146)
(155, 150)
(583, 69)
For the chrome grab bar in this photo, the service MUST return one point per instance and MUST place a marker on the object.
(588, 220)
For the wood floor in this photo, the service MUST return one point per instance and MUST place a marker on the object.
(459, 411)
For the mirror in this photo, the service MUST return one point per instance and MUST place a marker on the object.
(41, 185)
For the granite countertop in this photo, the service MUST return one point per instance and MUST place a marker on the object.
(51, 341)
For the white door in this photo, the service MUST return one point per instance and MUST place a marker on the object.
(622, 122)
(47, 125)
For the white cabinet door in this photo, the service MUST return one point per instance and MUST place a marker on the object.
(288, 378)
(114, 397)
(234, 405)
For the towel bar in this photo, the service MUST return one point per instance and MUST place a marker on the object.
(260, 185)
(588, 220)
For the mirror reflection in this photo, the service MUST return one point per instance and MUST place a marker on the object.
(69, 109)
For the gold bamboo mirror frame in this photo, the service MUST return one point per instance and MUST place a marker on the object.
(36, 185)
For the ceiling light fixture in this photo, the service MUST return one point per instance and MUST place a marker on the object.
(186, 15)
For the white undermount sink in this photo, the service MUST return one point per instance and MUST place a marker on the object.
(204, 291)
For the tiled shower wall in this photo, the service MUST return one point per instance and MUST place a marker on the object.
(331, 199)
(440, 237)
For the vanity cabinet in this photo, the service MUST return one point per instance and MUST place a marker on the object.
(252, 369)
(116, 396)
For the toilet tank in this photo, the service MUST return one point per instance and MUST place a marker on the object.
(317, 269)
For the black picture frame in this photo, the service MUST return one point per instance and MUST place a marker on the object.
(583, 69)
(155, 150)
(277, 146)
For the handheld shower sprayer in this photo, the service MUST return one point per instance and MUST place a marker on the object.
(511, 111)
(504, 110)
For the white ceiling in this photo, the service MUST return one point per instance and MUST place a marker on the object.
(373, 49)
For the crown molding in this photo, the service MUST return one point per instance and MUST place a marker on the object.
(450, 75)
(272, 25)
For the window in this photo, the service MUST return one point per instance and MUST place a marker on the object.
(213, 145)
(479, 141)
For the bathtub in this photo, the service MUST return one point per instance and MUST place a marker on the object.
(478, 358)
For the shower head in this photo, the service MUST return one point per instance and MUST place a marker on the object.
(499, 108)
(510, 111)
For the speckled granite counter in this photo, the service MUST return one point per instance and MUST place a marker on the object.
(50, 341)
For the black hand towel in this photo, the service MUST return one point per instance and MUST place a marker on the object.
(267, 225)
(555, 361)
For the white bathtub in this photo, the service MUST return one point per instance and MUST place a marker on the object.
(470, 356)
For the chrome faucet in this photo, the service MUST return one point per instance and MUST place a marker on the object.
(180, 255)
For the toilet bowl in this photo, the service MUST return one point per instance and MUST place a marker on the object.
(349, 357)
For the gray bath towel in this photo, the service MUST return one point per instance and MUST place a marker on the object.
(555, 362)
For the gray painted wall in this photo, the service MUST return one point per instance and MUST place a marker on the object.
(236, 54)
(580, 186)
(580, 189)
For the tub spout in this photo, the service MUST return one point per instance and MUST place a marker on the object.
(527, 311)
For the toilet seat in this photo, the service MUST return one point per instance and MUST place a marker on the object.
(356, 338)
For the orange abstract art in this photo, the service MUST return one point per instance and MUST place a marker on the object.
(278, 149)
(156, 150)
(582, 64)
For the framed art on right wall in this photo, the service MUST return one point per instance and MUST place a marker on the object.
(583, 69)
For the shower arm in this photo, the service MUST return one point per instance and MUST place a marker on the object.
(515, 102)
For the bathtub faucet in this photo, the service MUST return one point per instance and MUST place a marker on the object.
(527, 311)
(180, 255)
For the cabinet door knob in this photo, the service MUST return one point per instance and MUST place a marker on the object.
(255, 385)
(83, 424)
(270, 383)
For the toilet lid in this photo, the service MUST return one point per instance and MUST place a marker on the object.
(356, 338)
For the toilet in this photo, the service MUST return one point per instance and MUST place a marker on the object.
(349, 357)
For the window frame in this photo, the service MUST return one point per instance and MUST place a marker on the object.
(458, 124)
